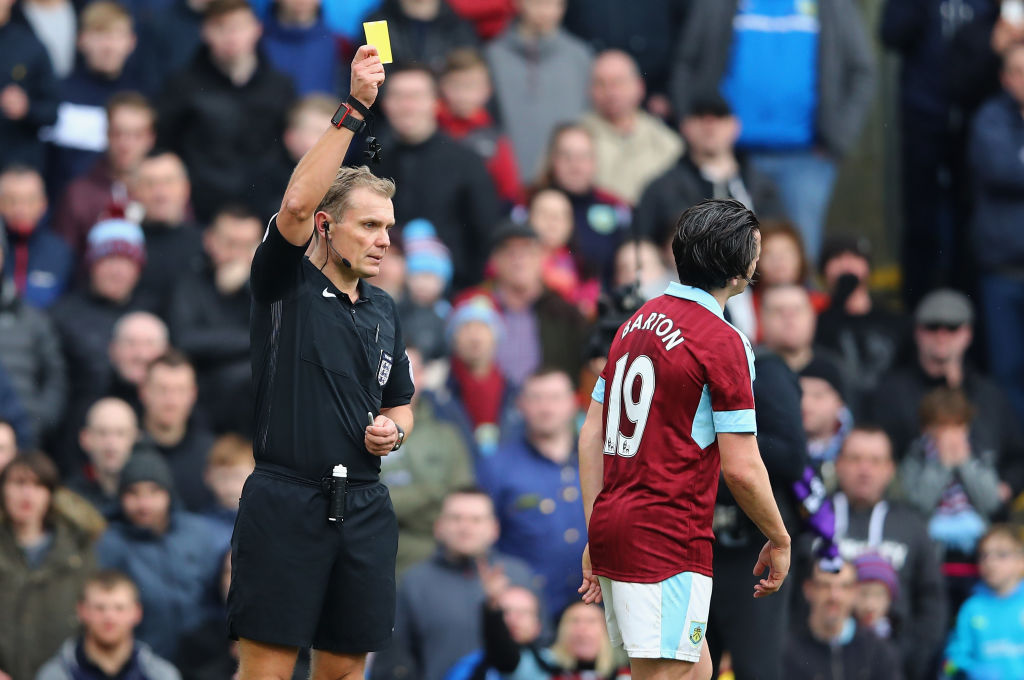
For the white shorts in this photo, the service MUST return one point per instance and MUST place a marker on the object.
(666, 620)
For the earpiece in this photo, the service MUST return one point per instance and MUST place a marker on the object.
(344, 261)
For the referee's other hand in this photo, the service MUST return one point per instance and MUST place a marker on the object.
(774, 558)
(380, 437)
(367, 75)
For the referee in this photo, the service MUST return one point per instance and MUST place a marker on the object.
(314, 552)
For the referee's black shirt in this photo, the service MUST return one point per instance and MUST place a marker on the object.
(319, 364)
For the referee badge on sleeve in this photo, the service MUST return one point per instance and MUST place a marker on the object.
(384, 368)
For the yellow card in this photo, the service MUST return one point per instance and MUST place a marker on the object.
(377, 35)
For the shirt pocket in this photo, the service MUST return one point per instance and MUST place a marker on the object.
(331, 342)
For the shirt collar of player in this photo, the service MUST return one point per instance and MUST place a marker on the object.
(698, 295)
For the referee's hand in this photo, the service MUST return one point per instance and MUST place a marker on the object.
(380, 438)
(367, 75)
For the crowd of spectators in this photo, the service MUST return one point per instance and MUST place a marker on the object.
(542, 151)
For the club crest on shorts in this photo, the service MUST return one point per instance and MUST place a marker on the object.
(696, 632)
(384, 368)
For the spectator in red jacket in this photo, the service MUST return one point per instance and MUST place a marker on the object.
(465, 87)
(102, 192)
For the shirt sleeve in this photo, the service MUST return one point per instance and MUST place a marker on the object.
(599, 389)
(275, 267)
(400, 386)
(730, 375)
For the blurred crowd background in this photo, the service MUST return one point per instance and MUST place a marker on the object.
(543, 150)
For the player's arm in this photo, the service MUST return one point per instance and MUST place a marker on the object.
(317, 169)
(591, 459)
(745, 475)
(591, 456)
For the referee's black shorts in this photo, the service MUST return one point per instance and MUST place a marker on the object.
(301, 581)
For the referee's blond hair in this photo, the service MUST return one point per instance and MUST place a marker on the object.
(336, 202)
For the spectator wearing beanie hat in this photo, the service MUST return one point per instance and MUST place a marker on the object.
(477, 385)
(85, 318)
(173, 556)
(826, 418)
(428, 270)
(877, 588)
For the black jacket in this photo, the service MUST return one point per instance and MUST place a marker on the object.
(30, 352)
(865, 657)
(222, 130)
(24, 62)
(995, 433)
(170, 250)
(424, 42)
(446, 183)
(213, 330)
(682, 185)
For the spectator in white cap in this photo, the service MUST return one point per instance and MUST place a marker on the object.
(428, 271)
(943, 331)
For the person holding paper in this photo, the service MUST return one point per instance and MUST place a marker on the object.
(313, 550)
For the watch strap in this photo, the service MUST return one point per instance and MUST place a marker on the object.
(343, 118)
(360, 107)
(401, 437)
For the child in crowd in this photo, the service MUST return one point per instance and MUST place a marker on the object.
(877, 588)
(550, 215)
(465, 90)
(428, 273)
(953, 485)
(987, 642)
(228, 465)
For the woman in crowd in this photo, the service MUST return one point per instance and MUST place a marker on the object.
(600, 219)
(45, 557)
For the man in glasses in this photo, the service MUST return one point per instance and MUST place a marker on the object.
(943, 331)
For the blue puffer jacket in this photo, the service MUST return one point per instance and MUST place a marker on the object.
(996, 154)
(177, 574)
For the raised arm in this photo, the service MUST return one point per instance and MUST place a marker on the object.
(317, 169)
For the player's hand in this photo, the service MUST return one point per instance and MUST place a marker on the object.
(380, 438)
(775, 559)
(590, 589)
(14, 102)
(367, 75)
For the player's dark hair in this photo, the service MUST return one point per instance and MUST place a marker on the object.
(714, 241)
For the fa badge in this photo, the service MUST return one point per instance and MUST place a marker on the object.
(696, 632)
(384, 368)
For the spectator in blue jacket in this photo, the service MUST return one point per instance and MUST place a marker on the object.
(28, 90)
(37, 259)
(799, 75)
(534, 482)
(988, 640)
(298, 43)
(997, 165)
(173, 556)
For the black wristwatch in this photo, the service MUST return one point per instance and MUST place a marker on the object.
(343, 118)
(401, 437)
